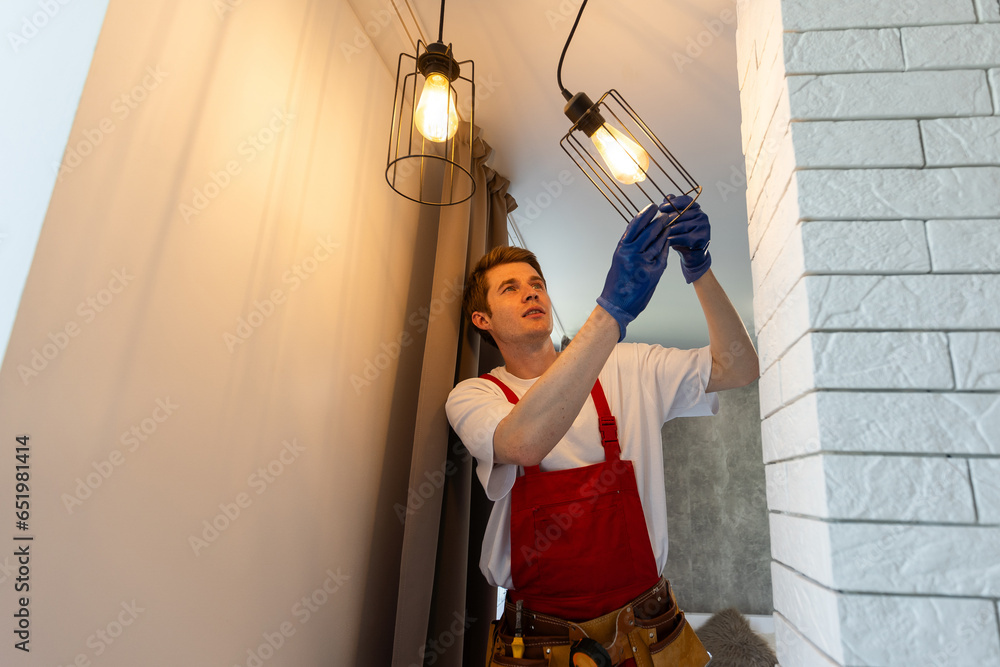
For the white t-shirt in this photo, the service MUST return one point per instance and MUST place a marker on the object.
(645, 386)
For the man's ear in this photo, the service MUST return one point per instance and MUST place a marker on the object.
(481, 320)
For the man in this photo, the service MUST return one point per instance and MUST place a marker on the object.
(568, 444)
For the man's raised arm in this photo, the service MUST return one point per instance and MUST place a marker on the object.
(544, 414)
(734, 361)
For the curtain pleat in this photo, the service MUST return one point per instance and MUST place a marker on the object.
(444, 605)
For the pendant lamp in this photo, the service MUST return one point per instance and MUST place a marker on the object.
(430, 152)
(617, 151)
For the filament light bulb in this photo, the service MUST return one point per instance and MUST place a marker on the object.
(626, 159)
(436, 116)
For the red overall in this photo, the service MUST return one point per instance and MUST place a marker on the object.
(579, 547)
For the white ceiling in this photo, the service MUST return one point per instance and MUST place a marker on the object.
(674, 62)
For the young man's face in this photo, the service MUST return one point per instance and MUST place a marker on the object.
(519, 304)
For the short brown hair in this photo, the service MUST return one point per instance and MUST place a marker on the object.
(474, 298)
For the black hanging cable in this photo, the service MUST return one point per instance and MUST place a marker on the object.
(441, 23)
(565, 93)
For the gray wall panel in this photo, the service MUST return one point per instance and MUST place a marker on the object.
(720, 547)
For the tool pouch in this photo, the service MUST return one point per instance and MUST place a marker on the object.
(540, 650)
(651, 630)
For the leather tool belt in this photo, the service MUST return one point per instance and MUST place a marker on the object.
(650, 629)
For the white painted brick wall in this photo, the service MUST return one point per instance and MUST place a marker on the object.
(757, 21)
(794, 649)
(769, 390)
(763, 142)
(826, 247)
(774, 161)
(904, 559)
(800, 15)
(771, 288)
(793, 430)
(952, 46)
(887, 629)
(761, 90)
(868, 95)
(964, 245)
(776, 214)
(895, 194)
(976, 357)
(868, 360)
(910, 630)
(959, 424)
(988, 10)
(994, 78)
(788, 324)
(872, 153)
(802, 544)
(859, 143)
(961, 141)
(843, 51)
(986, 480)
(780, 232)
(903, 302)
(813, 610)
(915, 559)
(916, 303)
(879, 488)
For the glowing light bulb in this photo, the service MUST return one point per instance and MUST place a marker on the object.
(626, 159)
(436, 117)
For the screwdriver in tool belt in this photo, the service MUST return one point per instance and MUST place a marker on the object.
(517, 646)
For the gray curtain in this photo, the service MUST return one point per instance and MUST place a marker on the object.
(444, 605)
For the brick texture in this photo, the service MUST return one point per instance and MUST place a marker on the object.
(872, 151)
(952, 46)
(801, 15)
(889, 95)
(843, 51)
(949, 142)
(964, 245)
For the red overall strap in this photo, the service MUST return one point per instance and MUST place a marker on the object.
(605, 420)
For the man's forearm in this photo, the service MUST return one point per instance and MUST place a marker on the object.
(544, 414)
(734, 360)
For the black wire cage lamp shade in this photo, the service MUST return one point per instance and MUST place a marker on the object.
(618, 152)
(434, 111)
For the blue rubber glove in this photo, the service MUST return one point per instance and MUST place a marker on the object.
(689, 234)
(636, 267)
